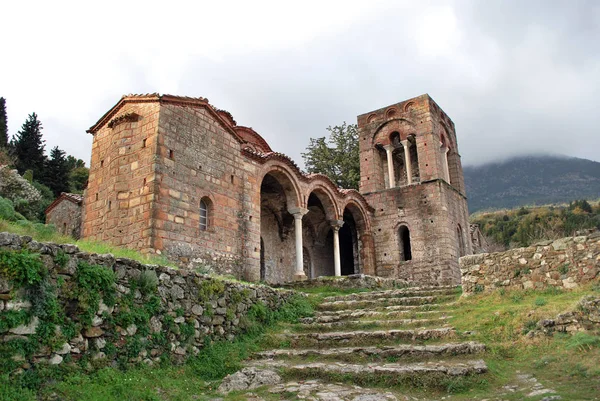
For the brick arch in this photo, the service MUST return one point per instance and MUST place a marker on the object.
(286, 178)
(359, 213)
(327, 197)
(403, 126)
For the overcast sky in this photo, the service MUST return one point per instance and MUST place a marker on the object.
(516, 77)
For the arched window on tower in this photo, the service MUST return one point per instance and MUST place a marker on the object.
(205, 211)
(404, 242)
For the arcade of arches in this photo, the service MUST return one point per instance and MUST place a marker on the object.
(333, 239)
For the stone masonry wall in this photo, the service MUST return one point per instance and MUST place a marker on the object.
(147, 313)
(564, 263)
(431, 211)
(119, 198)
(66, 216)
(199, 160)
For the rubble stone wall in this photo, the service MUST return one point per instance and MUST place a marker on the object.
(564, 263)
(61, 306)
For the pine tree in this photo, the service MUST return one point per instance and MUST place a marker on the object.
(3, 124)
(29, 147)
(56, 172)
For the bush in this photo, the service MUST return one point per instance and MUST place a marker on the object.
(8, 212)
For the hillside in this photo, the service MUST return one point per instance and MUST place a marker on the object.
(531, 180)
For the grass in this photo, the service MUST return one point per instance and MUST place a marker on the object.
(562, 362)
(47, 233)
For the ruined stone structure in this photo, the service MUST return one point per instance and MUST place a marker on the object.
(174, 175)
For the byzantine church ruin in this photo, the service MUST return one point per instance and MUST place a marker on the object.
(176, 176)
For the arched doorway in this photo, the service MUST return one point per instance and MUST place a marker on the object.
(278, 253)
(404, 242)
(318, 235)
(262, 260)
(349, 245)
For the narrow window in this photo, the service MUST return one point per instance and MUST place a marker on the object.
(101, 163)
(96, 195)
(232, 179)
(405, 250)
(109, 205)
(171, 154)
(143, 143)
(203, 215)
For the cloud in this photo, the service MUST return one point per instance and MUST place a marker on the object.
(516, 77)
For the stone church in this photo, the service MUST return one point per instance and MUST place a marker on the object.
(176, 176)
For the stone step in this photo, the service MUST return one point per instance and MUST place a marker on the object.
(357, 338)
(383, 302)
(388, 373)
(376, 353)
(394, 310)
(405, 292)
(367, 324)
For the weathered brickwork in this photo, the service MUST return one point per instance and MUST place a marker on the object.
(176, 176)
(65, 214)
(564, 263)
(433, 207)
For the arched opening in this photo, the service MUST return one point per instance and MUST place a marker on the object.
(461, 241)
(349, 245)
(414, 159)
(278, 250)
(262, 260)
(307, 262)
(205, 214)
(318, 235)
(405, 248)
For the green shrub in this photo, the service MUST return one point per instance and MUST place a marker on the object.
(147, 282)
(7, 210)
(21, 267)
(540, 301)
(564, 269)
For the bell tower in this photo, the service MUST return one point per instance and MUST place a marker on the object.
(412, 175)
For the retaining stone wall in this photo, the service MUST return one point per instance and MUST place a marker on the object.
(564, 263)
(189, 309)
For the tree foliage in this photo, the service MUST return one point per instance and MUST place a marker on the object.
(29, 147)
(336, 157)
(56, 172)
(3, 124)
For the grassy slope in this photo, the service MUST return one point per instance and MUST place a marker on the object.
(44, 233)
(560, 362)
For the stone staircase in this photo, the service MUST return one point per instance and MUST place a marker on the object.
(398, 338)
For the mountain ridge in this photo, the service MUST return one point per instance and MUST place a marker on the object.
(531, 180)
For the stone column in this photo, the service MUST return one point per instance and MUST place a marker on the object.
(337, 263)
(445, 151)
(298, 213)
(389, 149)
(406, 145)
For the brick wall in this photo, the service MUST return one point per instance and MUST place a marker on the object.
(119, 198)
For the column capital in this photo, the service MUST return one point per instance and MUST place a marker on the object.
(389, 148)
(405, 143)
(336, 224)
(298, 212)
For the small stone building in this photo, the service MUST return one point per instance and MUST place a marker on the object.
(65, 214)
(177, 176)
